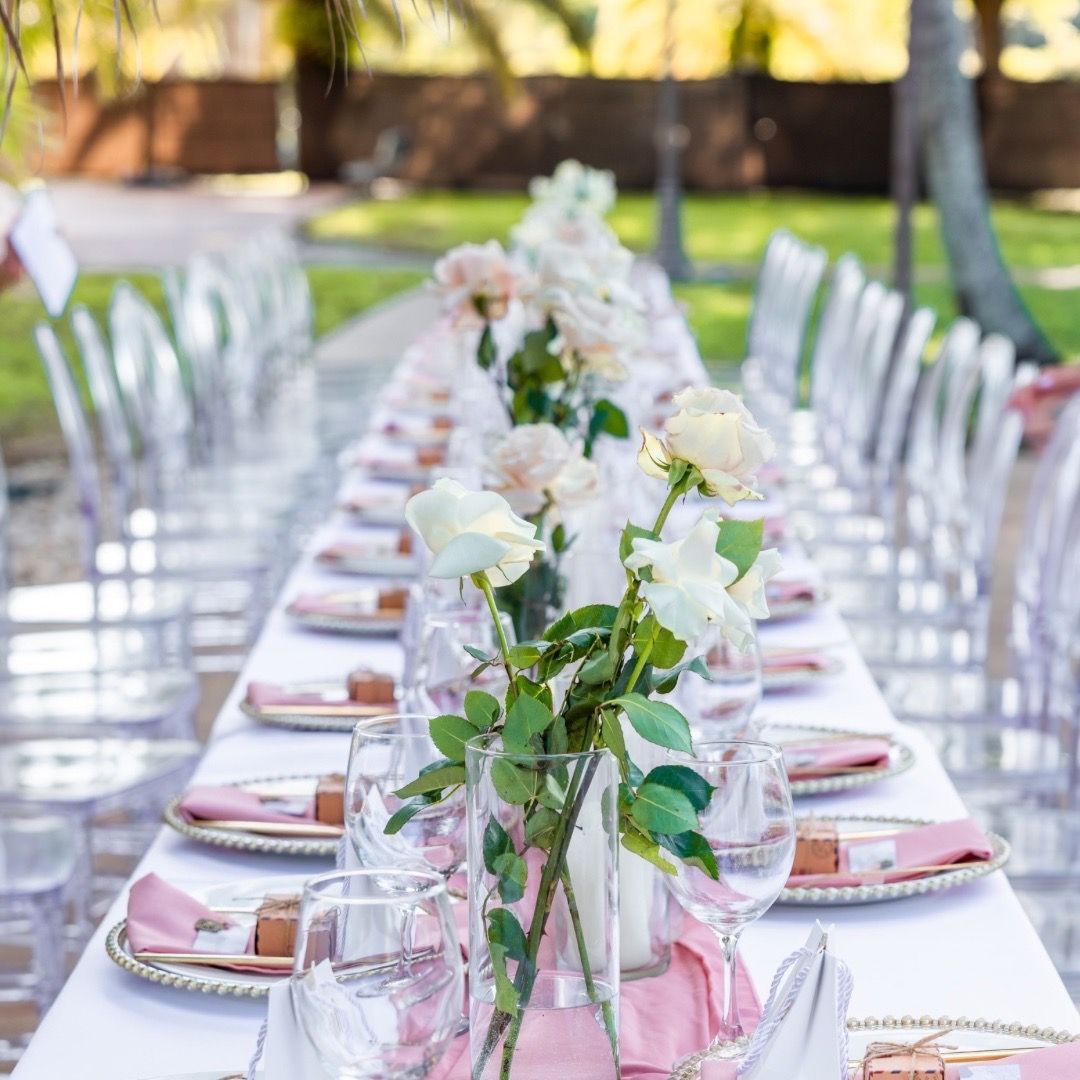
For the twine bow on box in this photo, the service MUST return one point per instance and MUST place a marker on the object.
(926, 1045)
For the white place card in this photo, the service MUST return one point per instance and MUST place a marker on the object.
(989, 1072)
(864, 858)
(45, 255)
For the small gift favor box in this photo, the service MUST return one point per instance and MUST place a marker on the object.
(430, 456)
(276, 922)
(905, 1065)
(393, 599)
(330, 800)
(817, 848)
(405, 543)
(370, 687)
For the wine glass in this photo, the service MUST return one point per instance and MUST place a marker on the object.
(722, 706)
(377, 974)
(443, 671)
(749, 824)
(387, 753)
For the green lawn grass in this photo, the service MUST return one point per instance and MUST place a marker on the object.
(727, 229)
(25, 406)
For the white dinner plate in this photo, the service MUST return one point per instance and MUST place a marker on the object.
(360, 625)
(897, 890)
(963, 1034)
(244, 840)
(785, 610)
(211, 980)
(392, 564)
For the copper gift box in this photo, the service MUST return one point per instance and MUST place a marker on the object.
(905, 1065)
(817, 848)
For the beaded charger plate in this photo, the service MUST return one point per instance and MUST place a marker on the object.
(969, 1041)
(872, 894)
(362, 564)
(361, 623)
(901, 757)
(334, 716)
(273, 838)
(783, 610)
(241, 899)
(376, 513)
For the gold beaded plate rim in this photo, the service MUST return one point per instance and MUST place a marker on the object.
(307, 721)
(782, 682)
(208, 980)
(874, 894)
(237, 840)
(359, 625)
(901, 757)
(994, 1034)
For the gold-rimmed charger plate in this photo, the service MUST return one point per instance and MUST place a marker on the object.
(339, 717)
(244, 840)
(777, 682)
(362, 624)
(848, 895)
(901, 757)
(210, 980)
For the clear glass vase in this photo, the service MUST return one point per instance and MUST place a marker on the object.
(543, 914)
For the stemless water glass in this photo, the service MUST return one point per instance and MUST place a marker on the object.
(750, 826)
(387, 753)
(377, 974)
(443, 672)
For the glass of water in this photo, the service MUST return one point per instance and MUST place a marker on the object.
(377, 974)
(749, 825)
(387, 753)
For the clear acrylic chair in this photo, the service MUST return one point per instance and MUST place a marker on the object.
(38, 857)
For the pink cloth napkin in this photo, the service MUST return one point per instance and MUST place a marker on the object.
(162, 918)
(792, 661)
(332, 604)
(661, 1019)
(264, 693)
(227, 803)
(812, 760)
(930, 845)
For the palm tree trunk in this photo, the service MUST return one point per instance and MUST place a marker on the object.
(670, 141)
(956, 180)
(904, 173)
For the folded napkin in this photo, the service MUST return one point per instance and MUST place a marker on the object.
(810, 760)
(777, 663)
(230, 803)
(261, 694)
(871, 861)
(1053, 1063)
(162, 918)
(661, 1020)
(336, 604)
(352, 549)
(783, 591)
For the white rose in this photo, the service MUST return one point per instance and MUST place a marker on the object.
(476, 281)
(574, 184)
(689, 586)
(566, 227)
(717, 433)
(599, 335)
(749, 590)
(470, 532)
(536, 463)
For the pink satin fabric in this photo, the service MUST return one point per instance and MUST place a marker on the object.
(661, 1019)
(801, 661)
(835, 754)
(228, 803)
(264, 693)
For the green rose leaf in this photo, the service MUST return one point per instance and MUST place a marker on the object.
(506, 995)
(663, 682)
(496, 842)
(527, 653)
(584, 618)
(479, 654)
(540, 828)
(505, 930)
(694, 850)
(527, 717)
(450, 734)
(512, 873)
(612, 733)
(656, 721)
(740, 542)
(557, 740)
(514, 785)
(630, 533)
(694, 786)
(485, 351)
(442, 776)
(597, 669)
(647, 849)
(667, 649)
(481, 710)
(403, 815)
(662, 809)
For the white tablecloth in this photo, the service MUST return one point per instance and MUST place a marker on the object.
(969, 952)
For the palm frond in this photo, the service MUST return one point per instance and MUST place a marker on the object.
(483, 28)
(579, 26)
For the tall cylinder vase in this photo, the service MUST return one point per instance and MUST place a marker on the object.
(543, 914)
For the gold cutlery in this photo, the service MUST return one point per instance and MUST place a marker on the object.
(276, 828)
(266, 963)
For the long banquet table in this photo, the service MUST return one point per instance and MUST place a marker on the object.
(966, 952)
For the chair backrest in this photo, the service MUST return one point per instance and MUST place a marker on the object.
(834, 330)
(149, 374)
(77, 437)
(900, 391)
(874, 371)
(116, 433)
(763, 304)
